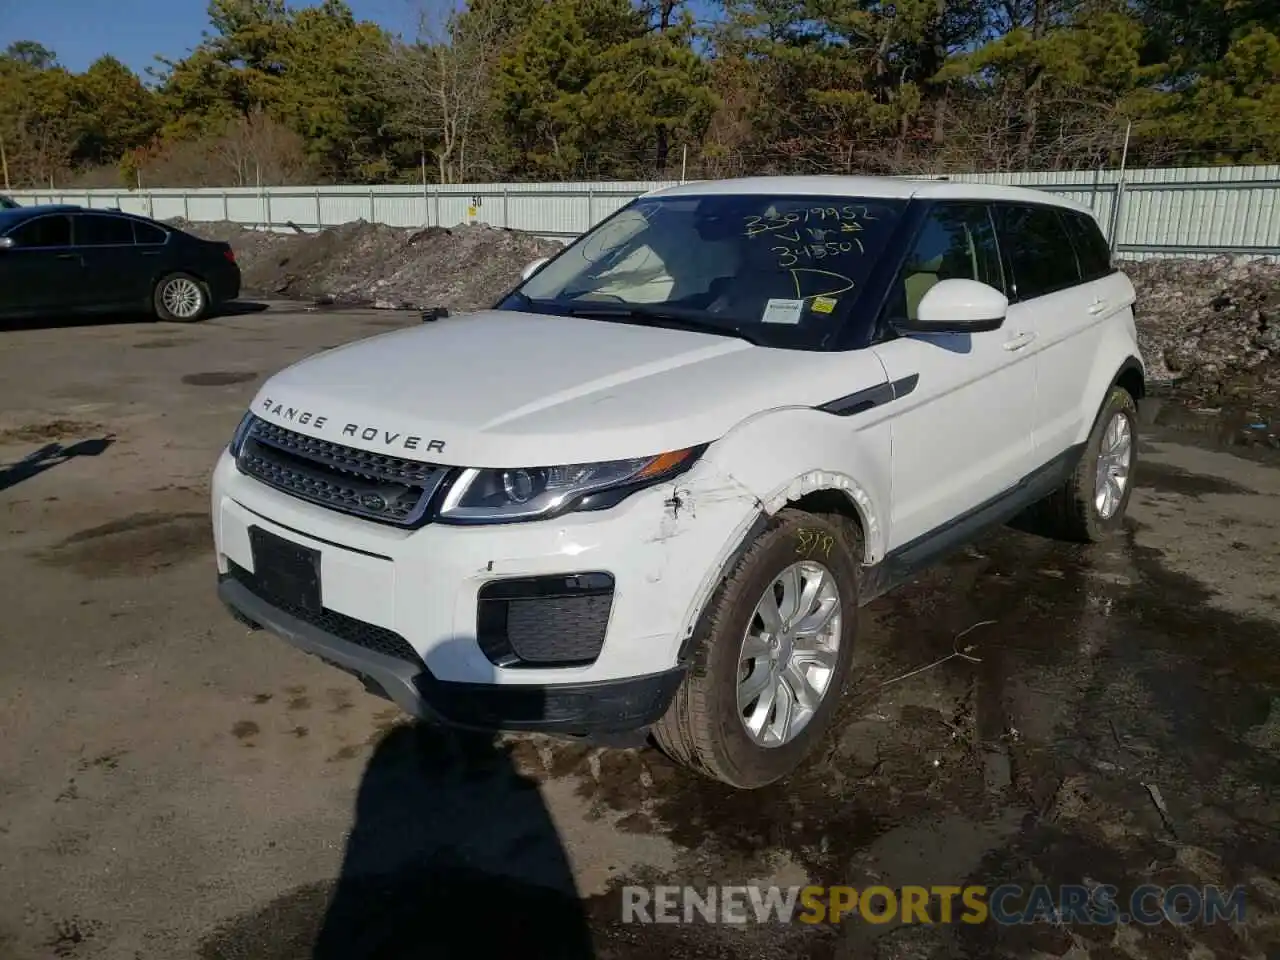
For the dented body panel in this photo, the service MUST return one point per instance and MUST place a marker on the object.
(424, 583)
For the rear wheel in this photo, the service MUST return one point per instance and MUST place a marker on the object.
(772, 654)
(182, 298)
(1091, 505)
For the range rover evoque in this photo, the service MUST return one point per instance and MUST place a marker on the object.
(649, 489)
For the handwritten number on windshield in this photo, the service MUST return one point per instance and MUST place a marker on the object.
(847, 217)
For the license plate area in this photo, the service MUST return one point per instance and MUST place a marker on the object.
(286, 570)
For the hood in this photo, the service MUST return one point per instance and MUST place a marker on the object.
(503, 388)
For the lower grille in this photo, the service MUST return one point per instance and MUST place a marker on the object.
(544, 621)
(362, 634)
(371, 485)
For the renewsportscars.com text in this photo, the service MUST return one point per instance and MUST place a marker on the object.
(1007, 904)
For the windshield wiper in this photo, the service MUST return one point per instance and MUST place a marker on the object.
(656, 316)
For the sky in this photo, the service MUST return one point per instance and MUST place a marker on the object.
(134, 31)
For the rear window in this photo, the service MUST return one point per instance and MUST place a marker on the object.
(1040, 252)
(97, 231)
(147, 234)
(1091, 247)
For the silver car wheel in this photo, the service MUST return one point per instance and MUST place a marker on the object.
(1115, 459)
(183, 298)
(789, 653)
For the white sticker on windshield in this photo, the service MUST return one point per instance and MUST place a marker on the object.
(782, 311)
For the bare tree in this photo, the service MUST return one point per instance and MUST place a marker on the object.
(440, 83)
(258, 151)
(250, 151)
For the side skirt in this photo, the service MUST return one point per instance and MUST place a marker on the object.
(902, 563)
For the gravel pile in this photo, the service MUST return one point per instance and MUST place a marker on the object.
(463, 268)
(1211, 326)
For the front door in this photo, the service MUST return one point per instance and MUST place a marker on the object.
(42, 266)
(962, 428)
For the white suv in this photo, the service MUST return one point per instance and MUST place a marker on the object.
(650, 488)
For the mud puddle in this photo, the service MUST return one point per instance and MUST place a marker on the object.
(1094, 674)
(1250, 432)
(141, 542)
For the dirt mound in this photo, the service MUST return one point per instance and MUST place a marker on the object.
(1211, 326)
(462, 268)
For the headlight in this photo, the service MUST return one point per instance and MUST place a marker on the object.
(242, 431)
(496, 496)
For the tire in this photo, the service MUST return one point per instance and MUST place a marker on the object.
(703, 728)
(181, 298)
(1072, 512)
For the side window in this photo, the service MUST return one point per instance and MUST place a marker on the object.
(51, 231)
(957, 242)
(100, 231)
(1041, 257)
(1091, 247)
(148, 235)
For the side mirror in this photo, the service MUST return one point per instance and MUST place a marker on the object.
(6, 243)
(533, 268)
(958, 306)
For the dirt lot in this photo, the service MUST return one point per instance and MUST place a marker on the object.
(172, 786)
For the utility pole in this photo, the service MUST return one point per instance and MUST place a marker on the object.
(1118, 201)
(4, 162)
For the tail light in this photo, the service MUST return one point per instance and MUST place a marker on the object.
(230, 255)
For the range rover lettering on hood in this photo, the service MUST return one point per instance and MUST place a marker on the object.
(363, 431)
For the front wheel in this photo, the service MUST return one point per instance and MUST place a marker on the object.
(182, 298)
(772, 654)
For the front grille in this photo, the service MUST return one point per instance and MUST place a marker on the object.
(373, 485)
(362, 634)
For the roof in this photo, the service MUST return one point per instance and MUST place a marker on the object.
(17, 214)
(887, 187)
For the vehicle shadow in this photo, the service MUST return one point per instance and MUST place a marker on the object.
(240, 308)
(48, 457)
(59, 321)
(453, 854)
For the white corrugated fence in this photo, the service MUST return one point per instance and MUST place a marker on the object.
(1167, 212)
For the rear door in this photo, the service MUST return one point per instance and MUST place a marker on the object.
(1052, 300)
(44, 266)
(114, 273)
(962, 425)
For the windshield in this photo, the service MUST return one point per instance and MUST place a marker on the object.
(8, 203)
(780, 270)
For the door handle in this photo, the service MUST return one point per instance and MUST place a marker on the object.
(1020, 341)
(68, 256)
(1098, 306)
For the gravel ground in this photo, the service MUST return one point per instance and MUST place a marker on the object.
(174, 787)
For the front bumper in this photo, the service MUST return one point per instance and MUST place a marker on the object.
(598, 709)
(410, 598)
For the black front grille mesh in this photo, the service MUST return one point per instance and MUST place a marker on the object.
(373, 485)
(361, 633)
(377, 466)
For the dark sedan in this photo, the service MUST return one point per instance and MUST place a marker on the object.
(56, 259)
